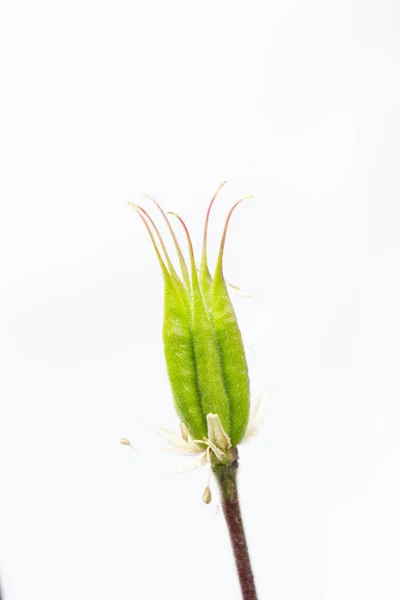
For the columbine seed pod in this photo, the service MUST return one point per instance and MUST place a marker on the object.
(203, 346)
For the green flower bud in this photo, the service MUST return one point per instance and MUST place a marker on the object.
(203, 346)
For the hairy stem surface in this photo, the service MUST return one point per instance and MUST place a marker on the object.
(226, 477)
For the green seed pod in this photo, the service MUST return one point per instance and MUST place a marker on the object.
(230, 345)
(178, 347)
(203, 347)
(209, 374)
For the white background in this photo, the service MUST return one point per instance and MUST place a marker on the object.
(295, 102)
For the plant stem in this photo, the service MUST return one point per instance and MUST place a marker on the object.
(226, 477)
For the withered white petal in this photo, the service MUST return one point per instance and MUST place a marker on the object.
(177, 443)
(216, 433)
(256, 418)
(203, 460)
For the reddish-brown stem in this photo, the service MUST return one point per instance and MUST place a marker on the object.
(226, 477)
